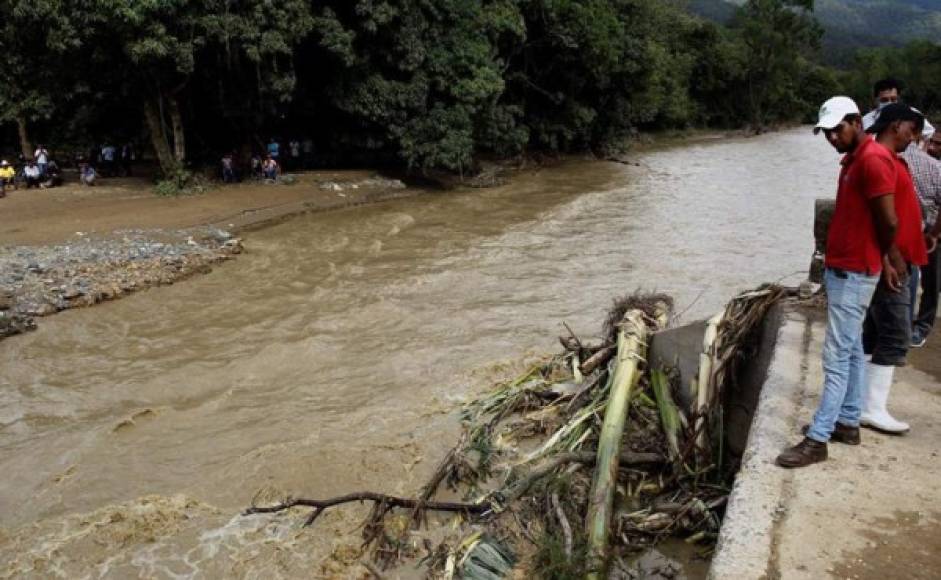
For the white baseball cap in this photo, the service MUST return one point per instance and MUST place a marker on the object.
(834, 111)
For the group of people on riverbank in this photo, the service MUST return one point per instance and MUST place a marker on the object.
(42, 171)
(268, 166)
(882, 245)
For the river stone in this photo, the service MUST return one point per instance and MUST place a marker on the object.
(44, 309)
(72, 293)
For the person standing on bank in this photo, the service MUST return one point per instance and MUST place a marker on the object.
(933, 145)
(42, 160)
(886, 92)
(887, 332)
(926, 173)
(862, 231)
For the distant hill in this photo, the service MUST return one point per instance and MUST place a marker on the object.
(716, 10)
(850, 24)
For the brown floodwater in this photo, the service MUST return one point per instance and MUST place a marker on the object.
(333, 354)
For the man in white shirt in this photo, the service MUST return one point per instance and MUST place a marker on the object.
(42, 159)
(294, 147)
(108, 153)
(32, 174)
(886, 92)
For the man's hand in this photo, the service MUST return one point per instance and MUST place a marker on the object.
(894, 269)
(890, 276)
(931, 242)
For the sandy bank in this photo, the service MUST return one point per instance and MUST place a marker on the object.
(31, 217)
(75, 246)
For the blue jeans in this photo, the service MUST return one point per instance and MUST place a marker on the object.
(844, 368)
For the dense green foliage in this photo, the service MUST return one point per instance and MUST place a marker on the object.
(422, 83)
(917, 65)
(853, 24)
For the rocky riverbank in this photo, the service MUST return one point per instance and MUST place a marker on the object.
(37, 281)
(73, 246)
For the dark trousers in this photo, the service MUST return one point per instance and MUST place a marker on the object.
(930, 287)
(887, 330)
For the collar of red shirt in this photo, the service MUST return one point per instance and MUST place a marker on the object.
(849, 157)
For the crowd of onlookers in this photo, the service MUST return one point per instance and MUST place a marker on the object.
(108, 160)
(38, 171)
(268, 165)
(42, 171)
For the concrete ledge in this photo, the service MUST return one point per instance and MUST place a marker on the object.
(745, 548)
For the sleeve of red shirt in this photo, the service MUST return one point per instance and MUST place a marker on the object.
(878, 176)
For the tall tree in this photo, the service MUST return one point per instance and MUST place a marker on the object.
(778, 36)
(35, 40)
(153, 44)
(424, 77)
(159, 46)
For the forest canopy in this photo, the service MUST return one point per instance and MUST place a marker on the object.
(425, 84)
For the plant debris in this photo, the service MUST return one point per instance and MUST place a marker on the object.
(524, 462)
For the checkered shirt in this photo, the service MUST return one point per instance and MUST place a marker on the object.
(926, 173)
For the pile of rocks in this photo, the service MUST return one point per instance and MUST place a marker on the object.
(42, 280)
(374, 182)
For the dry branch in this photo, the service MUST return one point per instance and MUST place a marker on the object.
(564, 522)
(380, 500)
(597, 359)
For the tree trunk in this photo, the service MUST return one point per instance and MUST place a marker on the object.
(158, 136)
(179, 138)
(25, 146)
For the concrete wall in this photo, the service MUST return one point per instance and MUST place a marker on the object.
(745, 543)
(758, 409)
(741, 400)
(680, 348)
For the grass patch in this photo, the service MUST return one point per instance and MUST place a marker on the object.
(180, 182)
(552, 563)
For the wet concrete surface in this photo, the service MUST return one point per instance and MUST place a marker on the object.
(904, 545)
(868, 512)
(928, 358)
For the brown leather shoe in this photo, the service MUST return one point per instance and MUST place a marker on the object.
(805, 453)
(841, 434)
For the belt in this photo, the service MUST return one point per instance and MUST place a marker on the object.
(843, 274)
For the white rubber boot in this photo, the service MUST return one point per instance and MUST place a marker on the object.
(876, 396)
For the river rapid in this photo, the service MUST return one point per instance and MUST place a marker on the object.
(332, 356)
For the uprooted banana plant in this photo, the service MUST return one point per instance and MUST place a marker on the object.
(542, 456)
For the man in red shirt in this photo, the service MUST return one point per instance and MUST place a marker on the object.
(862, 232)
(888, 326)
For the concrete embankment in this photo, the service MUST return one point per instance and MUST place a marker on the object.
(869, 512)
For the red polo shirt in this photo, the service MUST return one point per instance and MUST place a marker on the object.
(909, 238)
(868, 172)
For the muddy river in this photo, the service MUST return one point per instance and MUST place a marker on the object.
(333, 354)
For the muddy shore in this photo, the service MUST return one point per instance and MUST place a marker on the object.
(73, 246)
